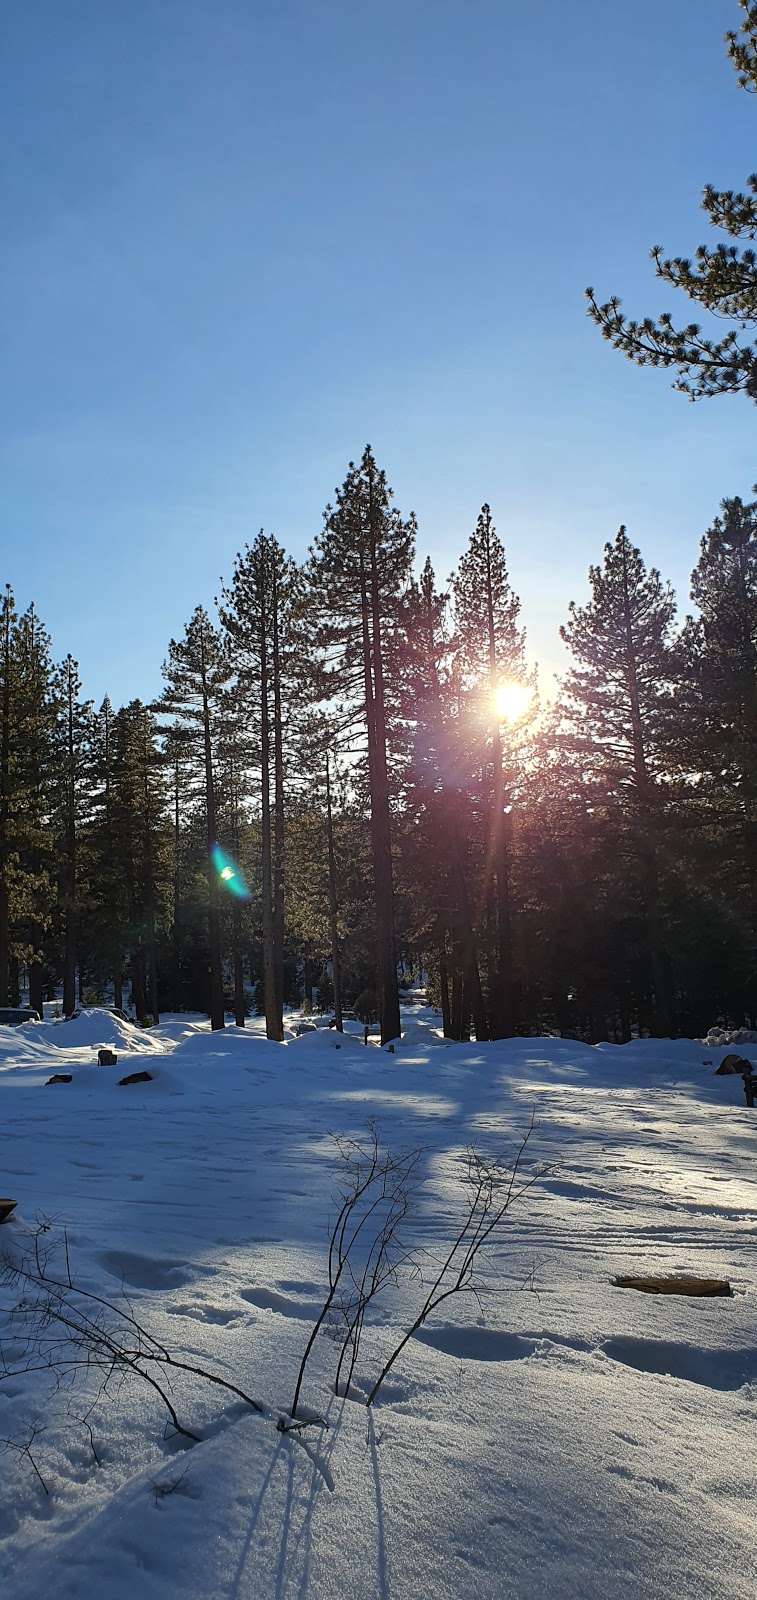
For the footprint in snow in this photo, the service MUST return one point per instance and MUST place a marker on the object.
(714, 1369)
(205, 1313)
(145, 1272)
(271, 1300)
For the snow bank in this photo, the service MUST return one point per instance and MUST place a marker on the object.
(95, 1029)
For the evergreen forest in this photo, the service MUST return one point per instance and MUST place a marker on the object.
(350, 784)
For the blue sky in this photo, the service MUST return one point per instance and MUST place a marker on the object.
(244, 237)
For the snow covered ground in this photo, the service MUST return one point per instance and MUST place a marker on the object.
(563, 1439)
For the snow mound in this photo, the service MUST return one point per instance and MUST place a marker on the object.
(97, 1028)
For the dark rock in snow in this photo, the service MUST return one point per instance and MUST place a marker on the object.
(136, 1077)
(61, 1077)
(733, 1063)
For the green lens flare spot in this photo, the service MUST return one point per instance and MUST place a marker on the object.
(229, 873)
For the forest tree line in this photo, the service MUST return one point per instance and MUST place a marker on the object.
(368, 747)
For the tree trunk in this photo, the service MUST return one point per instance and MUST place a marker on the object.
(152, 956)
(308, 983)
(176, 925)
(456, 1000)
(278, 807)
(214, 915)
(336, 977)
(273, 1027)
(464, 923)
(444, 987)
(69, 896)
(36, 987)
(5, 809)
(138, 986)
(380, 818)
(239, 996)
(465, 1009)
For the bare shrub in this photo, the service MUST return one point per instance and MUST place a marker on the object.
(367, 1254)
(65, 1330)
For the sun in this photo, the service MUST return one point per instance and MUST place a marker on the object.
(512, 701)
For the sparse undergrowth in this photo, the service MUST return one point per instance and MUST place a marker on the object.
(55, 1325)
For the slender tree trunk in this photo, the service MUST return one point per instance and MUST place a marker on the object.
(336, 977)
(176, 927)
(4, 809)
(456, 999)
(214, 914)
(278, 807)
(308, 982)
(138, 999)
(152, 955)
(236, 910)
(239, 996)
(69, 898)
(273, 1027)
(36, 987)
(152, 967)
(444, 987)
(380, 819)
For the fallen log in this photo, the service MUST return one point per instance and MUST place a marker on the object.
(699, 1287)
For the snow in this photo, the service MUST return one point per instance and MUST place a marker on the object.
(560, 1437)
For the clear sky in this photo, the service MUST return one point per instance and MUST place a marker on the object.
(243, 237)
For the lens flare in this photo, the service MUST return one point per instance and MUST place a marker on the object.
(512, 701)
(229, 873)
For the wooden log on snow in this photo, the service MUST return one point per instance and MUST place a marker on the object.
(700, 1287)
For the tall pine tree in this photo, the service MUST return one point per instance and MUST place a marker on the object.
(618, 710)
(359, 570)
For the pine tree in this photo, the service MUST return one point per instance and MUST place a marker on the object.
(34, 757)
(435, 844)
(105, 912)
(140, 825)
(196, 674)
(260, 613)
(359, 570)
(491, 660)
(618, 706)
(72, 741)
(720, 650)
(26, 729)
(723, 280)
(8, 618)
